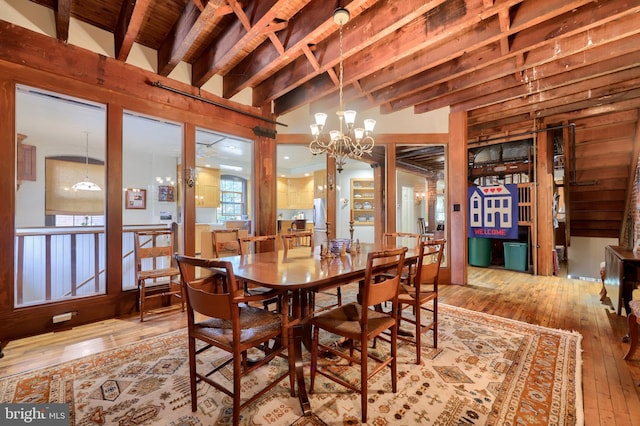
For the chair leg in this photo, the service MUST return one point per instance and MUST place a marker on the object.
(633, 334)
(418, 316)
(142, 296)
(182, 298)
(394, 354)
(237, 372)
(364, 374)
(192, 374)
(435, 323)
(314, 359)
(291, 359)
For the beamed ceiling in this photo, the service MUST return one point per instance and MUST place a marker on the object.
(506, 62)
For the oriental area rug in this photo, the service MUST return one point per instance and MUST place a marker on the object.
(487, 370)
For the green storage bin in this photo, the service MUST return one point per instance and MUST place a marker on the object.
(515, 256)
(479, 251)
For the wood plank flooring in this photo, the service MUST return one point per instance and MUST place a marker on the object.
(611, 394)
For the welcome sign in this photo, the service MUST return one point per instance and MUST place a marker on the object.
(493, 211)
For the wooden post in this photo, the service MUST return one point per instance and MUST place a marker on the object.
(543, 260)
(456, 208)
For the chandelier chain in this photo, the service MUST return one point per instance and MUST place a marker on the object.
(341, 71)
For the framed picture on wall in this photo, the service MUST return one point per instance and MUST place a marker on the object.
(136, 199)
(165, 193)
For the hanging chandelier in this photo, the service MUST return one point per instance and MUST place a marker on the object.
(348, 141)
(86, 184)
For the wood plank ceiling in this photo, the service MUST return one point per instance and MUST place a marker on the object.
(514, 65)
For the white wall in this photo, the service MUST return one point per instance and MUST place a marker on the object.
(140, 171)
(585, 256)
(407, 218)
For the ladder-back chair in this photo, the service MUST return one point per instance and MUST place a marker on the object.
(156, 273)
(359, 322)
(228, 322)
(225, 242)
(422, 289)
(256, 244)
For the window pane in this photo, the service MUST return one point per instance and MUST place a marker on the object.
(151, 160)
(232, 158)
(59, 231)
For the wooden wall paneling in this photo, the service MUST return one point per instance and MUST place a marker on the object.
(568, 175)
(603, 153)
(628, 234)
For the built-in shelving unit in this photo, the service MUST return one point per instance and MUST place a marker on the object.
(362, 201)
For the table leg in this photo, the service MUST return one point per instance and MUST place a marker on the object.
(633, 334)
(298, 335)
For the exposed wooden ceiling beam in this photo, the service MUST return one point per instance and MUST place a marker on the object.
(192, 24)
(303, 29)
(130, 20)
(389, 17)
(222, 52)
(63, 16)
(420, 38)
(542, 53)
(467, 69)
(620, 69)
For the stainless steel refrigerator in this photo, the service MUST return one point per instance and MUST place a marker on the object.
(319, 221)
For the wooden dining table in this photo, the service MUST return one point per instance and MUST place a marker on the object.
(301, 272)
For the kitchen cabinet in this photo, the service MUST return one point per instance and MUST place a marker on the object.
(283, 194)
(208, 187)
(26, 162)
(362, 201)
(200, 228)
(320, 184)
(295, 193)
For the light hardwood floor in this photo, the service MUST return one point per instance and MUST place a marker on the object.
(611, 396)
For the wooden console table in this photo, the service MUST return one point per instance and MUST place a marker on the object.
(622, 272)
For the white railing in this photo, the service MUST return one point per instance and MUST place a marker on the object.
(53, 264)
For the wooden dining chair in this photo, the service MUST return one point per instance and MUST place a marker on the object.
(422, 226)
(359, 322)
(156, 273)
(297, 239)
(398, 239)
(406, 239)
(257, 244)
(226, 321)
(423, 289)
(225, 242)
(305, 239)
